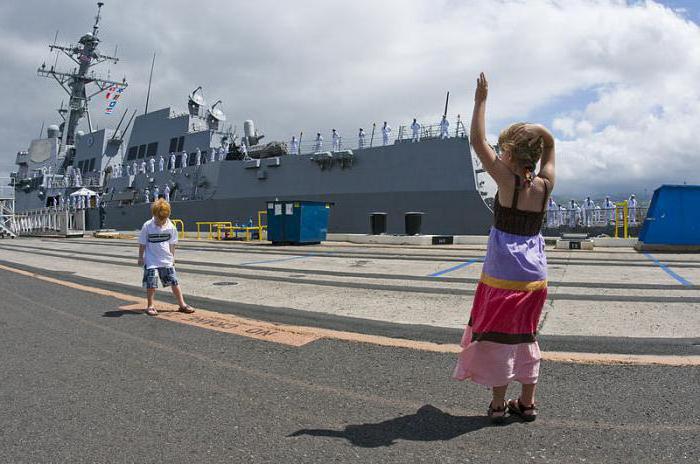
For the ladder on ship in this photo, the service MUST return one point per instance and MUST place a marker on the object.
(8, 222)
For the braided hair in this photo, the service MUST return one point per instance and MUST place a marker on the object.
(525, 154)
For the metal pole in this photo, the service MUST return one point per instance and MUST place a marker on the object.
(150, 77)
(447, 100)
(371, 139)
(299, 149)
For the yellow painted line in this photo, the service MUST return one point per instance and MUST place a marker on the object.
(301, 335)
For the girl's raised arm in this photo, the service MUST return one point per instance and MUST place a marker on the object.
(496, 169)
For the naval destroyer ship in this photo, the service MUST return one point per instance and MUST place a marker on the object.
(212, 174)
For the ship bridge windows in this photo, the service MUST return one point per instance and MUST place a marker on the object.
(131, 154)
(176, 144)
(152, 149)
(142, 151)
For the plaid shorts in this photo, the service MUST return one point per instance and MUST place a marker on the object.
(167, 277)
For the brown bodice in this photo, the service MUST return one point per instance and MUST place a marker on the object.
(516, 221)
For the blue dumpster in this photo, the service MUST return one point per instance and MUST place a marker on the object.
(673, 217)
(297, 222)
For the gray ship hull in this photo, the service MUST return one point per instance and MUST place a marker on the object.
(433, 176)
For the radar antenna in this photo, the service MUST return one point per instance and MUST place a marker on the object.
(86, 56)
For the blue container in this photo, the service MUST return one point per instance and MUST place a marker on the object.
(673, 217)
(297, 222)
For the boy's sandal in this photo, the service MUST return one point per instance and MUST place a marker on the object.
(526, 413)
(497, 415)
(187, 309)
(151, 311)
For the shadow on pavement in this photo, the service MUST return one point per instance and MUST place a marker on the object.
(121, 313)
(427, 424)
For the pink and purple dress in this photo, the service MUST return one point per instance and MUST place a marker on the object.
(499, 343)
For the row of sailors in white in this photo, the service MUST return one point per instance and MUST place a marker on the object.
(148, 195)
(415, 129)
(76, 201)
(336, 139)
(591, 213)
(150, 166)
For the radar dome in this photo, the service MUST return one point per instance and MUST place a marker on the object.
(52, 131)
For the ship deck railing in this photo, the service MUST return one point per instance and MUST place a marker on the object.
(402, 134)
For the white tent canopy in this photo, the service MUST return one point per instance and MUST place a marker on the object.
(83, 192)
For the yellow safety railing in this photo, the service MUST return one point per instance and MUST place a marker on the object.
(625, 211)
(180, 226)
(211, 225)
(222, 228)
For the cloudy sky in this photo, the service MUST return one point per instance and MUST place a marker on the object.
(617, 81)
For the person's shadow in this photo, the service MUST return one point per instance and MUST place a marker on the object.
(427, 424)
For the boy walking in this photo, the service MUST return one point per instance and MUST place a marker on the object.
(157, 256)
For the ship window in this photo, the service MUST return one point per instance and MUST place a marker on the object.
(180, 143)
(133, 151)
(142, 151)
(92, 164)
(80, 166)
(178, 162)
(152, 149)
(173, 145)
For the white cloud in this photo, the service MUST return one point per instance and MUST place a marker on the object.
(310, 65)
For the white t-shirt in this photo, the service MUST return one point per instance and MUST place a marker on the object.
(157, 241)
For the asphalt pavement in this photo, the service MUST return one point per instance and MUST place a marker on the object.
(85, 381)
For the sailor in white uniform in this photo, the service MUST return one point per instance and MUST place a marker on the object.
(156, 192)
(574, 214)
(198, 157)
(386, 132)
(361, 139)
(415, 131)
(62, 201)
(588, 207)
(335, 140)
(166, 193)
(134, 168)
(212, 155)
(184, 159)
(609, 207)
(632, 210)
(597, 216)
(151, 165)
(54, 203)
(552, 213)
(116, 172)
(444, 127)
(161, 163)
(147, 196)
(318, 144)
(172, 161)
(294, 146)
(244, 149)
(222, 153)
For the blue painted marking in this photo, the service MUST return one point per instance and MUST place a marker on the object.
(668, 271)
(275, 260)
(454, 268)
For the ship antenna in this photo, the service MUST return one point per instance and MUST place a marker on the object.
(447, 100)
(41, 131)
(119, 125)
(150, 77)
(95, 28)
(129, 123)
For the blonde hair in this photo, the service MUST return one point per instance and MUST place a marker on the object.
(160, 211)
(524, 154)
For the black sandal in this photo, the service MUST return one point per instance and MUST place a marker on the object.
(497, 415)
(187, 309)
(526, 413)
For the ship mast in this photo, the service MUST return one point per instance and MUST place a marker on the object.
(75, 82)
